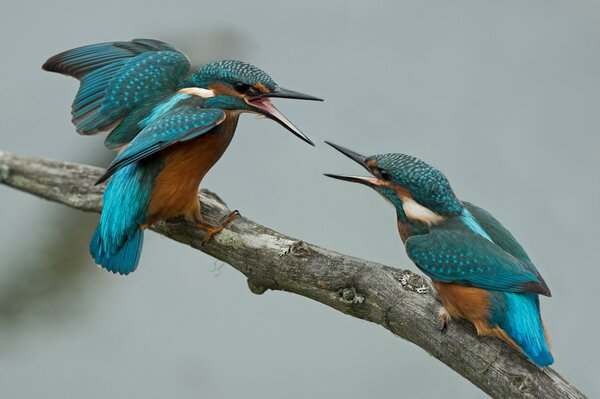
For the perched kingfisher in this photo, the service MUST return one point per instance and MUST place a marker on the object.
(480, 271)
(171, 127)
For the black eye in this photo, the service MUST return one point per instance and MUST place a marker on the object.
(384, 174)
(241, 87)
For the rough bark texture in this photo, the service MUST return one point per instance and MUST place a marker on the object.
(270, 260)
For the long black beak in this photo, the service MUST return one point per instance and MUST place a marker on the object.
(280, 92)
(367, 181)
(356, 157)
(265, 107)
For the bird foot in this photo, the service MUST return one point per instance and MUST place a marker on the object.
(212, 230)
(444, 319)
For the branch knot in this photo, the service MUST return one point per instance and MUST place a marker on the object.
(350, 296)
(298, 248)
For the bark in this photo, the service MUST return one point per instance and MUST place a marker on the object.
(399, 300)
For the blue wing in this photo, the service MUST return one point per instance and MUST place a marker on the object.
(462, 257)
(118, 77)
(80, 61)
(181, 123)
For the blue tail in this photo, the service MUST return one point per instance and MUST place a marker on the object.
(523, 324)
(117, 242)
(121, 259)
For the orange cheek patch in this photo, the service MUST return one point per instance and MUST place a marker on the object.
(262, 88)
(401, 192)
(223, 89)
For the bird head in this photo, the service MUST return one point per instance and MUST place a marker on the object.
(418, 191)
(237, 85)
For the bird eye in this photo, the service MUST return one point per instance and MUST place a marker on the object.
(241, 87)
(384, 174)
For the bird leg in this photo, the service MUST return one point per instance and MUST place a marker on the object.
(444, 319)
(212, 230)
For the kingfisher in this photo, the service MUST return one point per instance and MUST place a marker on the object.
(480, 271)
(170, 125)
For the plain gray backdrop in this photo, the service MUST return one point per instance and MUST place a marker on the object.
(501, 96)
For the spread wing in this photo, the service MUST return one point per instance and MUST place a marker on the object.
(461, 257)
(179, 124)
(117, 77)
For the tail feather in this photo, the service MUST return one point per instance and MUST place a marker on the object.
(524, 325)
(123, 259)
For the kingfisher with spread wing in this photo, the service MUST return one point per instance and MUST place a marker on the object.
(480, 271)
(171, 126)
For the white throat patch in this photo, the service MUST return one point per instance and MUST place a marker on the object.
(197, 91)
(416, 211)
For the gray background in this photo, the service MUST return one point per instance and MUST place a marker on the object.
(501, 96)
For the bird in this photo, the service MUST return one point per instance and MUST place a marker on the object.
(170, 125)
(480, 271)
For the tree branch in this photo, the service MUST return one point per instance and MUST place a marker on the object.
(270, 260)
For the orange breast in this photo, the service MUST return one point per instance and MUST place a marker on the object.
(185, 164)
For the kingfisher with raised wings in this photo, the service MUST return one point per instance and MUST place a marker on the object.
(171, 126)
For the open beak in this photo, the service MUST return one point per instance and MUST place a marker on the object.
(367, 181)
(280, 92)
(265, 107)
(361, 160)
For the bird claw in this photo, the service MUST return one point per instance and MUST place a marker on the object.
(212, 230)
(444, 328)
(444, 320)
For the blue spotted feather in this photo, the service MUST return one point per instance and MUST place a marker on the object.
(464, 257)
(117, 242)
(119, 78)
(181, 123)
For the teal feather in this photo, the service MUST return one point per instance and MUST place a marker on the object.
(503, 238)
(125, 259)
(180, 123)
(118, 240)
(428, 186)
(451, 255)
(131, 124)
(118, 78)
(519, 316)
(469, 221)
(133, 88)
(80, 61)
(465, 246)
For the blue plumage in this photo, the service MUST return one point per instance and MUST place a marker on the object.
(118, 240)
(175, 121)
(80, 61)
(123, 260)
(520, 312)
(159, 116)
(522, 322)
(116, 78)
(427, 184)
(480, 270)
(451, 254)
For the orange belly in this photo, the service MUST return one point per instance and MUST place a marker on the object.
(472, 304)
(467, 302)
(175, 190)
